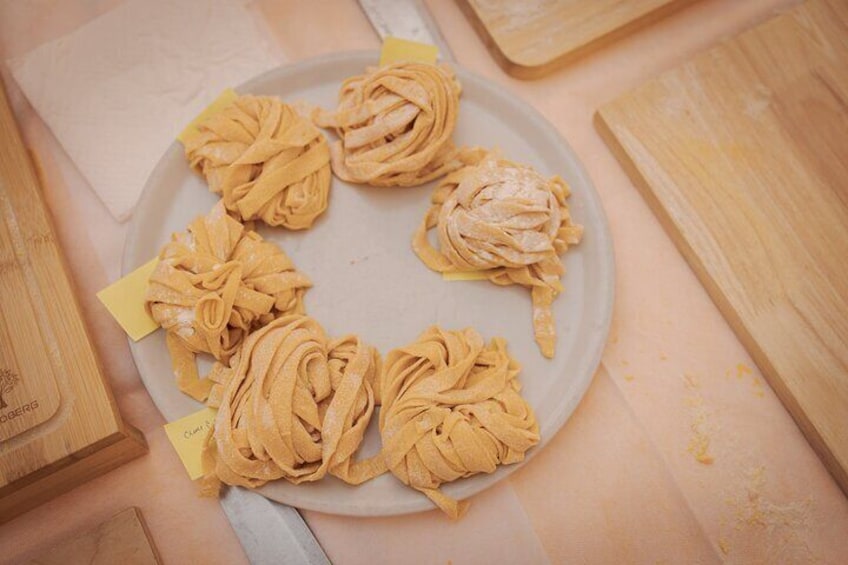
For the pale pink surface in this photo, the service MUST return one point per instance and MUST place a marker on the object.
(618, 483)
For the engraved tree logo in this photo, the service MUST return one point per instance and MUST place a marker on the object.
(8, 380)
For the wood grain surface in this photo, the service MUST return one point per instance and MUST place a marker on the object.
(532, 38)
(123, 539)
(59, 424)
(743, 155)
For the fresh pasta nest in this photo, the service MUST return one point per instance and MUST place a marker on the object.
(395, 125)
(451, 409)
(265, 160)
(214, 284)
(508, 222)
(294, 405)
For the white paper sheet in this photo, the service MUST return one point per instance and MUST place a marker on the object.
(118, 90)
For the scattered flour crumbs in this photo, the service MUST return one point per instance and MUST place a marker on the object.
(754, 528)
(759, 529)
(701, 425)
(742, 370)
(781, 528)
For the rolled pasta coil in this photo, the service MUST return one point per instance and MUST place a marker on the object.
(215, 283)
(265, 160)
(293, 405)
(452, 408)
(395, 125)
(509, 222)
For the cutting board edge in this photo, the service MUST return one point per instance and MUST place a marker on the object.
(72, 455)
(528, 70)
(838, 469)
(97, 543)
(147, 533)
(34, 489)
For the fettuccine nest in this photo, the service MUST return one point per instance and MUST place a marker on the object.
(265, 160)
(451, 409)
(294, 406)
(213, 285)
(395, 125)
(508, 223)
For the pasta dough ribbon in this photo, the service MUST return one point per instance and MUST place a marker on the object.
(395, 123)
(452, 408)
(509, 221)
(294, 405)
(265, 160)
(214, 284)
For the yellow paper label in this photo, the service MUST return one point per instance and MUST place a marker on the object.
(188, 436)
(224, 99)
(396, 49)
(466, 276)
(125, 301)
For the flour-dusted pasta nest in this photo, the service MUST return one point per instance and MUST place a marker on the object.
(507, 222)
(294, 405)
(215, 283)
(265, 160)
(395, 125)
(452, 408)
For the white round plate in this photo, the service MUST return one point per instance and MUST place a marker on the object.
(369, 282)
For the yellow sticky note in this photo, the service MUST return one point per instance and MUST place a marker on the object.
(466, 276)
(188, 435)
(396, 49)
(125, 301)
(216, 106)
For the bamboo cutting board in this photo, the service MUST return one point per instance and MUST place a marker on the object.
(743, 155)
(123, 539)
(59, 425)
(534, 37)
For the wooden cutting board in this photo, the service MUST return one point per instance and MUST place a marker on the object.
(743, 155)
(532, 38)
(59, 424)
(122, 539)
